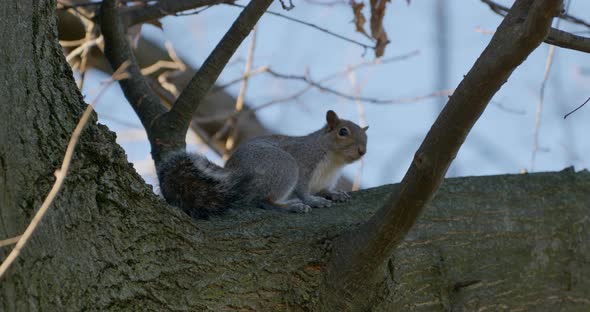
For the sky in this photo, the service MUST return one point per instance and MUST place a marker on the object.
(501, 142)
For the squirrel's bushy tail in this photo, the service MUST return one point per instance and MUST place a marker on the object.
(199, 187)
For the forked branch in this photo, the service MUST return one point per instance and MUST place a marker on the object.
(555, 37)
(167, 130)
(189, 100)
(358, 256)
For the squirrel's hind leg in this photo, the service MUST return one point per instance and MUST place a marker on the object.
(291, 205)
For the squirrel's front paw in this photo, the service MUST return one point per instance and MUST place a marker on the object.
(299, 208)
(336, 196)
(317, 202)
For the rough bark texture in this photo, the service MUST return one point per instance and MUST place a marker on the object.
(519, 242)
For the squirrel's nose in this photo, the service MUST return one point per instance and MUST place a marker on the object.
(362, 150)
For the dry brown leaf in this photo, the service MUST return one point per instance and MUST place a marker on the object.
(359, 17)
(377, 30)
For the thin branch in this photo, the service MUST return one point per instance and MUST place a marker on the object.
(90, 35)
(164, 78)
(358, 255)
(362, 122)
(548, 64)
(60, 175)
(378, 61)
(298, 94)
(231, 139)
(574, 20)
(577, 108)
(301, 92)
(257, 71)
(351, 97)
(83, 47)
(72, 43)
(159, 65)
(9, 241)
(362, 45)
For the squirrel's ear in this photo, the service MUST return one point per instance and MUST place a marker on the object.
(365, 128)
(332, 119)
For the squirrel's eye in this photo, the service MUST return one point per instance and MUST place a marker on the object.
(343, 132)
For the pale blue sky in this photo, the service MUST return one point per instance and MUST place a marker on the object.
(501, 141)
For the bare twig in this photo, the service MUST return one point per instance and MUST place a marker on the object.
(378, 61)
(90, 35)
(72, 43)
(350, 97)
(364, 46)
(548, 64)
(573, 19)
(220, 87)
(83, 47)
(164, 78)
(9, 241)
(577, 108)
(159, 65)
(230, 142)
(304, 90)
(287, 7)
(60, 175)
(362, 122)
(508, 110)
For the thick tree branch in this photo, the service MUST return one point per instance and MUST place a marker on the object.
(358, 256)
(191, 97)
(144, 101)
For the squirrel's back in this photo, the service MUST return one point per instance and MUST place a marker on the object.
(199, 187)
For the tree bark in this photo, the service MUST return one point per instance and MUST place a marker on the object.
(518, 242)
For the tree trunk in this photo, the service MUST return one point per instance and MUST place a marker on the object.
(517, 242)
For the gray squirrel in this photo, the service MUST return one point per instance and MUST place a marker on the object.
(276, 172)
